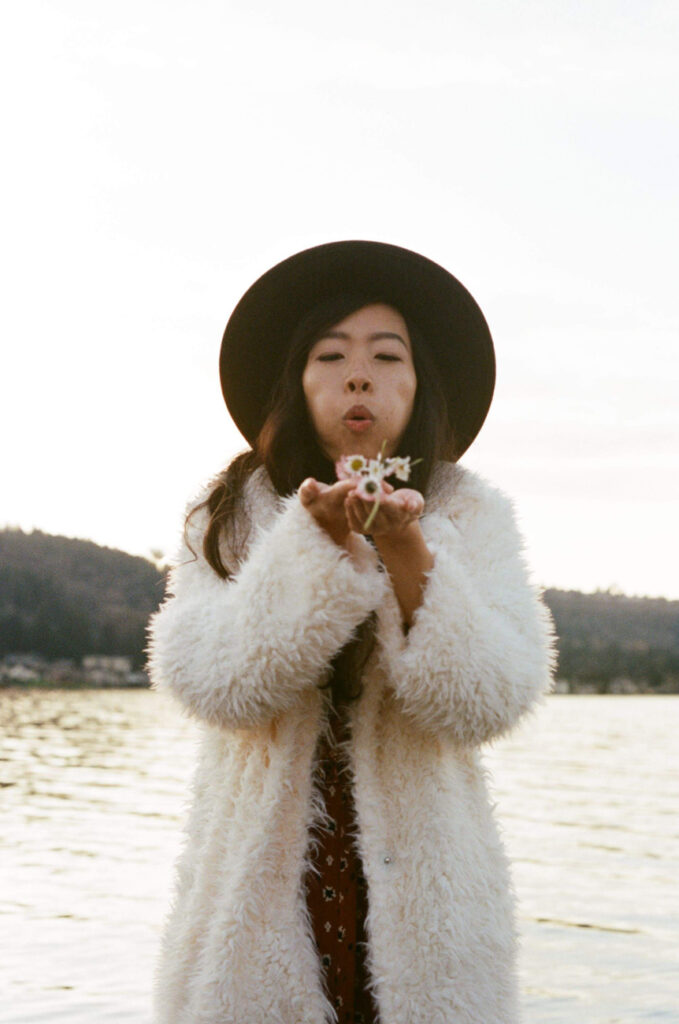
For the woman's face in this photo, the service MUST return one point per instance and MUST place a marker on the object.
(359, 383)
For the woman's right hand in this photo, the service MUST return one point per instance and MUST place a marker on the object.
(325, 502)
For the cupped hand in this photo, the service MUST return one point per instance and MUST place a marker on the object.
(397, 511)
(325, 502)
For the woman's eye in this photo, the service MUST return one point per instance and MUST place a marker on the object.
(328, 357)
(388, 357)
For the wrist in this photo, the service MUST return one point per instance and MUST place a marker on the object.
(336, 534)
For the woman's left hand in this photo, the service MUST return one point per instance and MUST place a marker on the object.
(397, 511)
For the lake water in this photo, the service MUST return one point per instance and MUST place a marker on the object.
(93, 792)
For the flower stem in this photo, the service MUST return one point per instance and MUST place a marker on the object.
(373, 512)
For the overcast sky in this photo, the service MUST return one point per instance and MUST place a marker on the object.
(160, 156)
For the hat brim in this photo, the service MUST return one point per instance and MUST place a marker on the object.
(258, 334)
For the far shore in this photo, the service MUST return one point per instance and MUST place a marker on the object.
(74, 684)
(562, 689)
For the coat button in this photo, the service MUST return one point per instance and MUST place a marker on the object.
(386, 859)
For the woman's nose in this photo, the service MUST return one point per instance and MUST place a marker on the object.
(358, 380)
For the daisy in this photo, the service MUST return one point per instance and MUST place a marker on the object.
(398, 467)
(369, 487)
(349, 466)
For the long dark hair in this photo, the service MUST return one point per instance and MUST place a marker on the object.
(288, 449)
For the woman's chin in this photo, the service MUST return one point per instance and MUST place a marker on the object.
(363, 446)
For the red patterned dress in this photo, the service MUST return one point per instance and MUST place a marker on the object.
(338, 895)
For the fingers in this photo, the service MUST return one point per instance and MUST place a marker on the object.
(357, 511)
(396, 502)
(322, 499)
(410, 500)
(355, 516)
(414, 504)
(308, 491)
(340, 506)
(395, 511)
(342, 488)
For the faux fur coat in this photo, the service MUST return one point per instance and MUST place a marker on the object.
(245, 657)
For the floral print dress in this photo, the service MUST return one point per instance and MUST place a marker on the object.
(337, 892)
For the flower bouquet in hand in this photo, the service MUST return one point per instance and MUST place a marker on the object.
(370, 474)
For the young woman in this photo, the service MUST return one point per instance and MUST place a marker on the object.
(342, 862)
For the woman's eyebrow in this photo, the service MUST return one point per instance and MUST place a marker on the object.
(377, 336)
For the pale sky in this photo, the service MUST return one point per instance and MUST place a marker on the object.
(158, 157)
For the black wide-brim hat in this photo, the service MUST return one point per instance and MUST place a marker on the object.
(259, 331)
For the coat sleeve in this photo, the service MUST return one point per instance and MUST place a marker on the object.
(237, 652)
(480, 650)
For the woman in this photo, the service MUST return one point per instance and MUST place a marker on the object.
(346, 678)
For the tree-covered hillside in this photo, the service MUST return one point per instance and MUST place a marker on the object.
(605, 637)
(63, 598)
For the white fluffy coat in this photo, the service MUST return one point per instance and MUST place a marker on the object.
(245, 657)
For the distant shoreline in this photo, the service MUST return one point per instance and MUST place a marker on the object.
(75, 615)
(49, 684)
(575, 691)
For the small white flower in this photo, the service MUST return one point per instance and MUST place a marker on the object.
(356, 463)
(399, 467)
(369, 487)
(350, 466)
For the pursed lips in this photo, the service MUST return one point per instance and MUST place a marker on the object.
(358, 418)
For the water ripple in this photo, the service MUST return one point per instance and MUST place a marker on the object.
(93, 792)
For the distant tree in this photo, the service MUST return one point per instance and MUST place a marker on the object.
(606, 636)
(61, 597)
